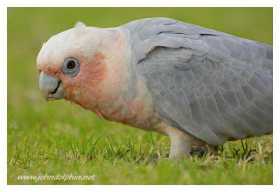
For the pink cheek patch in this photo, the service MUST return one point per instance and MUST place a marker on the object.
(85, 88)
(93, 73)
(71, 87)
(96, 69)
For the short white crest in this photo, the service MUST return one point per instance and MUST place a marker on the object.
(80, 24)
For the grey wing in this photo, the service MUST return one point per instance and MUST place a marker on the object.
(210, 84)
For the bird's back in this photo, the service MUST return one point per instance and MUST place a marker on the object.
(210, 84)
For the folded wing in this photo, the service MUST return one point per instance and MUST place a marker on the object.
(212, 85)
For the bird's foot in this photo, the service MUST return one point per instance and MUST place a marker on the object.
(200, 151)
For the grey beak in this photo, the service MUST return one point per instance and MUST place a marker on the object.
(51, 87)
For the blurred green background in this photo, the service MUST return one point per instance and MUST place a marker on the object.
(59, 138)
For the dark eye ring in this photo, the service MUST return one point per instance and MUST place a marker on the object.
(71, 66)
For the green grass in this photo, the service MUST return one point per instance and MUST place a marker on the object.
(60, 138)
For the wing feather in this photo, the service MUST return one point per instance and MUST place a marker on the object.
(210, 84)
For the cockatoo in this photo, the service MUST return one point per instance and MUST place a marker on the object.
(198, 86)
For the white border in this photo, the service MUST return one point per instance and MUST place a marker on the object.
(276, 96)
(146, 188)
(3, 96)
(141, 3)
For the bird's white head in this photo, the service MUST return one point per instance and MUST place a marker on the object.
(78, 64)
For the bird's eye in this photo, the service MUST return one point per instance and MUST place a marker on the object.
(71, 66)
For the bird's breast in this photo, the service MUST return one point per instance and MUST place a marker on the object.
(137, 112)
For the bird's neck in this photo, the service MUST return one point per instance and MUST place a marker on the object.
(122, 95)
(122, 86)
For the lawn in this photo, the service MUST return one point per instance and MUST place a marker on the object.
(60, 138)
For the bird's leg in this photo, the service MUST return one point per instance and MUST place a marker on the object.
(180, 144)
